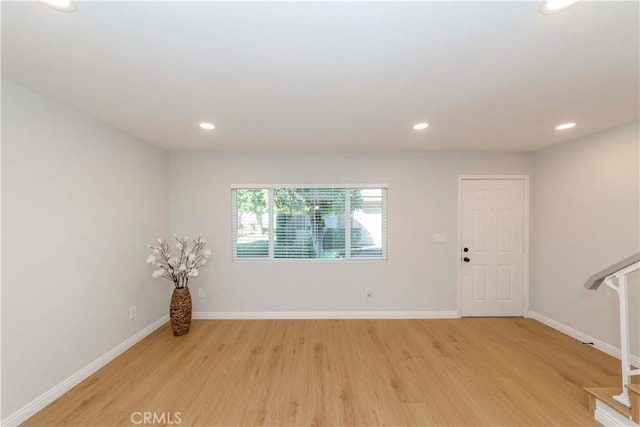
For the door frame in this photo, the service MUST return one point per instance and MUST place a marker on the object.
(525, 235)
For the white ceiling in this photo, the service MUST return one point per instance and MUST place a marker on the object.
(331, 76)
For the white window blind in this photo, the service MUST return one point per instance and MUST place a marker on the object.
(291, 222)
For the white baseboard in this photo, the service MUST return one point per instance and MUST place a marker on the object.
(581, 336)
(219, 315)
(49, 396)
(609, 417)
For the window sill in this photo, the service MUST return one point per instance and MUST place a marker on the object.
(309, 261)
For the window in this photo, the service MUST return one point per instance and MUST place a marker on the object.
(291, 222)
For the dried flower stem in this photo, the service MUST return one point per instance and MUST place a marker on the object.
(180, 269)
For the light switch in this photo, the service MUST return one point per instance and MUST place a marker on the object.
(439, 238)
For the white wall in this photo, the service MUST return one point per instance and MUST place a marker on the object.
(80, 201)
(422, 200)
(586, 217)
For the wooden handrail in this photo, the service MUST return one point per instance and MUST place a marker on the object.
(596, 280)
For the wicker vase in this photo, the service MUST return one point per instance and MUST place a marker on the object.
(180, 311)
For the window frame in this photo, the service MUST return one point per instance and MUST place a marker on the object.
(268, 259)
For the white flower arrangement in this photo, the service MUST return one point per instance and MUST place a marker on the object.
(179, 269)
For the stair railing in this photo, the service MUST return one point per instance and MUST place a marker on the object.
(615, 277)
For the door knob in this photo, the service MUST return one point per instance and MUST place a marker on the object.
(466, 259)
(465, 250)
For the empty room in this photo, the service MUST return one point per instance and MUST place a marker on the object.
(320, 213)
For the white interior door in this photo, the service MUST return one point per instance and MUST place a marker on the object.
(492, 244)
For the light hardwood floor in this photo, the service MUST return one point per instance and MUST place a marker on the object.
(473, 371)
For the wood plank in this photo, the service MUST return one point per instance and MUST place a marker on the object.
(472, 371)
(605, 395)
(634, 394)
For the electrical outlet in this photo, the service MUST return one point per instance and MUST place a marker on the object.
(132, 312)
(201, 292)
(369, 292)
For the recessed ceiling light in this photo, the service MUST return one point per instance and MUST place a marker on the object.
(550, 7)
(61, 5)
(565, 126)
(420, 126)
(207, 126)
